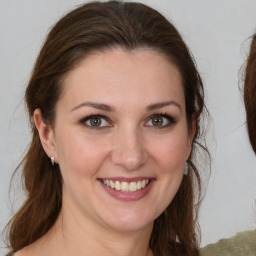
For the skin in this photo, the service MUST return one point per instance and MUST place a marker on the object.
(134, 85)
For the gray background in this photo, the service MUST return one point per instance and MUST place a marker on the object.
(216, 32)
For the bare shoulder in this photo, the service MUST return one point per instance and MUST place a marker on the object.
(46, 245)
(39, 248)
(22, 252)
(27, 251)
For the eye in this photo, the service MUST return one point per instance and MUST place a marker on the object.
(96, 121)
(160, 120)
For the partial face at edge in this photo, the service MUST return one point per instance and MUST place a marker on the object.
(121, 138)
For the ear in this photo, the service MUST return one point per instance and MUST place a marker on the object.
(46, 134)
(192, 133)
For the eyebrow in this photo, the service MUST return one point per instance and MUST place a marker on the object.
(99, 106)
(163, 104)
(110, 108)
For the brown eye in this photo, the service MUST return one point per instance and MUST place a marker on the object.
(160, 121)
(96, 121)
(157, 121)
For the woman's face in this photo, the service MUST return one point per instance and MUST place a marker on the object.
(121, 138)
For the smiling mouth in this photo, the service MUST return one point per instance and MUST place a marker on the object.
(124, 186)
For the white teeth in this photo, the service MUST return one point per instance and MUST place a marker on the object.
(133, 186)
(111, 184)
(117, 185)
(139, 185)
(125, 186)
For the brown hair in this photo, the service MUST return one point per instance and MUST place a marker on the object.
(98, 26)
(250, 93)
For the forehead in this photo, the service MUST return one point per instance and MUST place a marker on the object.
(116, 73)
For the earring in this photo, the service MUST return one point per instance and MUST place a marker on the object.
(186, 169)
(52, 160)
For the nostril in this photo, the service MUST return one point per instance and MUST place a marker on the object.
(129, 160)
(129, 150)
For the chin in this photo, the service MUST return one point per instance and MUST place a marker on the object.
(130, 221)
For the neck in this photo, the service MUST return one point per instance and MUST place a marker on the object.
(73, 237)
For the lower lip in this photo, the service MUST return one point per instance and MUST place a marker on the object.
(128, 196)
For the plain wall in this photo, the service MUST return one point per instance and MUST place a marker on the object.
(215, 31)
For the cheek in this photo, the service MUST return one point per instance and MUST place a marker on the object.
(170, 157)
(171, 154)
(81, 156)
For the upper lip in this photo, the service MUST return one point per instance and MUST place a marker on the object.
(126, 179)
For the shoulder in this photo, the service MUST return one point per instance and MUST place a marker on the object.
(242, 244)
(23, 252)
(19, 253)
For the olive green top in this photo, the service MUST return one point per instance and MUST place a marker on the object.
(242, 244)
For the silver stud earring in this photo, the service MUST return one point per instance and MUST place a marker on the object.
(52, 160)
(186, 169)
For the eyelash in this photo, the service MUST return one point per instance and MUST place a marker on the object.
(170, 121)
(96, 116)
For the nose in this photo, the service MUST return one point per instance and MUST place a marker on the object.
(129, 150)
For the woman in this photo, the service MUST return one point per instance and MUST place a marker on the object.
(115, 102)
(243, 243)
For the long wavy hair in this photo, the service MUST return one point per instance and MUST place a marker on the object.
(98, 26)
(250, 93)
